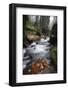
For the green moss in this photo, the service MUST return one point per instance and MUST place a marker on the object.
(54, 56)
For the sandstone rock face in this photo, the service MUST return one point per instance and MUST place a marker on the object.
(40, 65)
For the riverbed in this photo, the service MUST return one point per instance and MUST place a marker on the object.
(36, 50)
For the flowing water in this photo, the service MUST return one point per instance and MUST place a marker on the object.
(38, 49)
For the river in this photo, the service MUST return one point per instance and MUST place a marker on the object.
(38, 49)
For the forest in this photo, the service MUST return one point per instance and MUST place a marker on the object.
(39, 44)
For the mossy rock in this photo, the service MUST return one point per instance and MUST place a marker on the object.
(53, 52)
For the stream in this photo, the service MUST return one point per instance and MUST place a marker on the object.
(38, 49)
